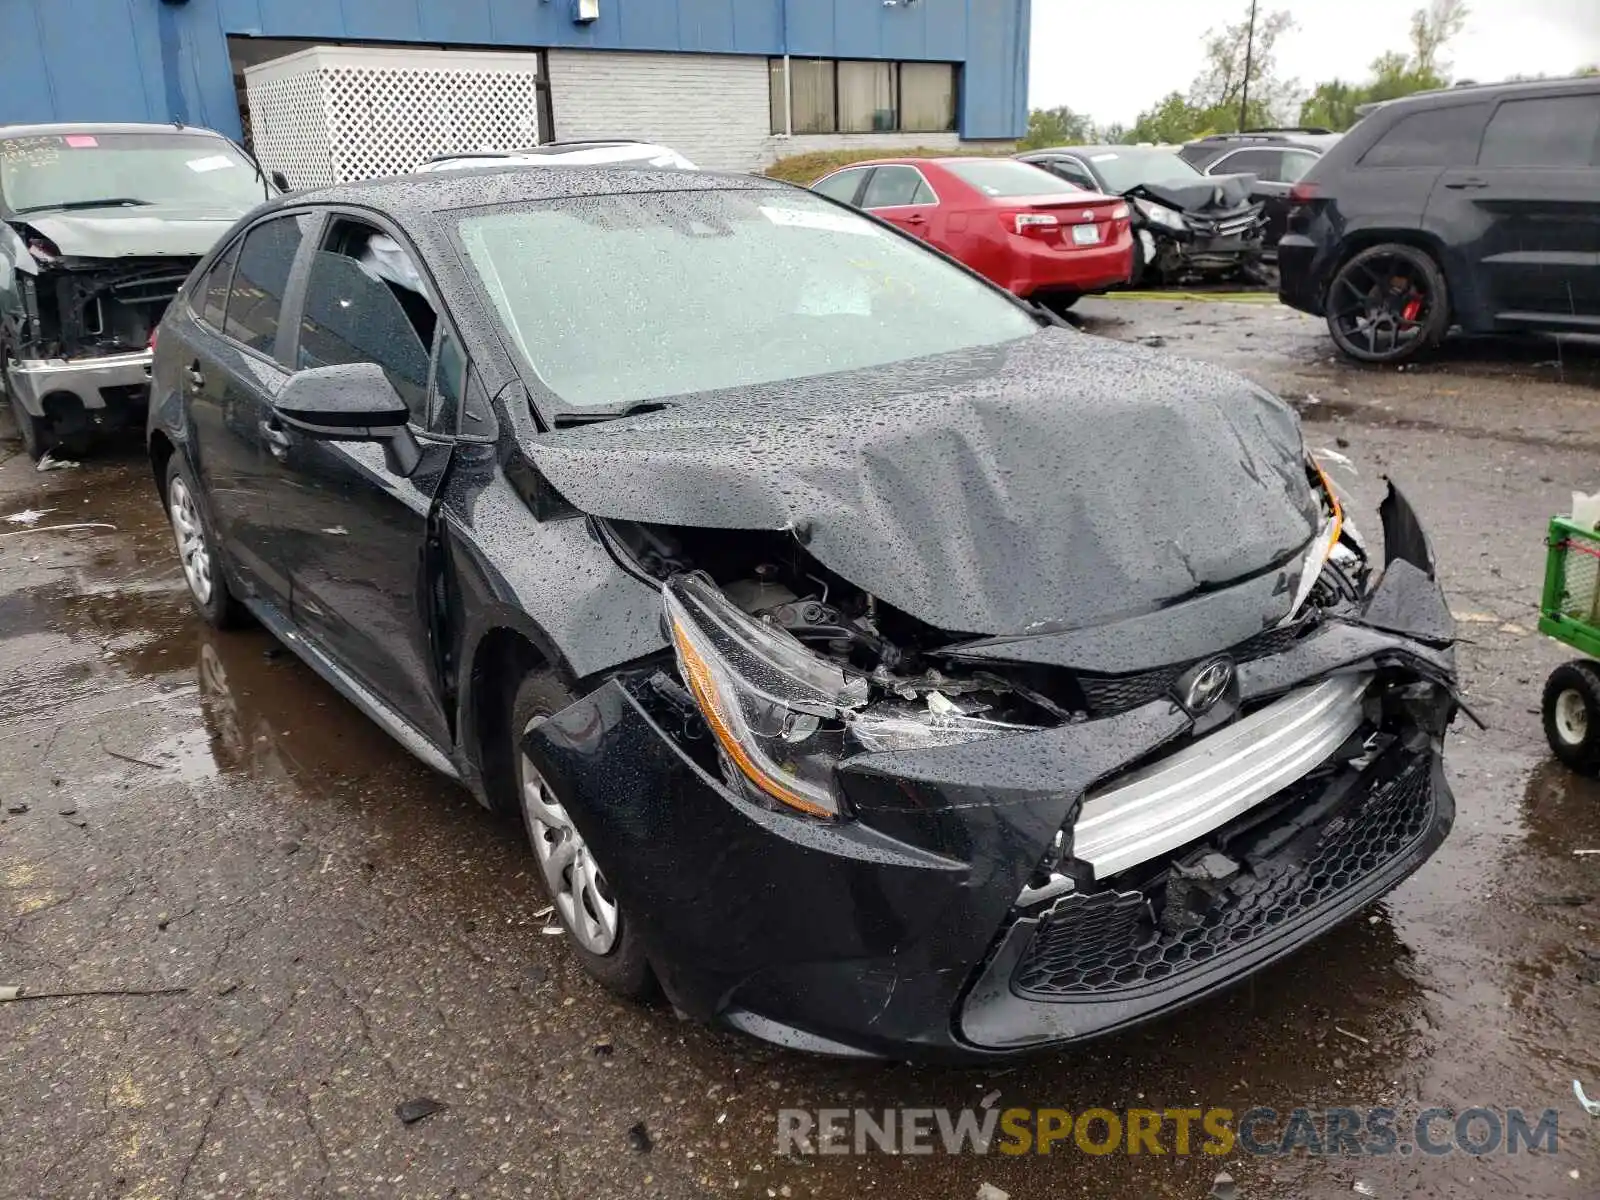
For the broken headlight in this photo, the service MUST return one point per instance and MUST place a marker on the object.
(1160, 214)
(782, 716)
(776, 710)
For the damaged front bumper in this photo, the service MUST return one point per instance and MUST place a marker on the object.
(919, 929)
(115, 380)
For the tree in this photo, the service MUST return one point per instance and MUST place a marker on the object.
(1057, 127)
(1337, 105)
(1237, 63)
(1431, 29)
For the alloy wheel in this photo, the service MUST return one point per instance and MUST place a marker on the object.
(1381, 305)
(579, 890)
(191, 537)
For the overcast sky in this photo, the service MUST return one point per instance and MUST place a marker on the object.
(1113, 73)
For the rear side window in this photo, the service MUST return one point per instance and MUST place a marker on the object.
(841, 187)
(893, 187)
(365, 303)
(1435, 137)
(213, 296)
(1552, 131)
(1263, 164)
(256, 298)
(1073, 172)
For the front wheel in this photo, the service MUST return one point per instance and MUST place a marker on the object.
(1388, 304)
(601, 935)
(1572, 714)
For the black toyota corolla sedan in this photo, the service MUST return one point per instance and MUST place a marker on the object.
(877, 665)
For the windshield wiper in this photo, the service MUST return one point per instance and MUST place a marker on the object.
(69, 205)
(563, 420)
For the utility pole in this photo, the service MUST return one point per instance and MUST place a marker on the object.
(1249, 64)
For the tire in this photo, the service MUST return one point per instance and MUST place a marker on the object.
(599, 933)
(37, 440)
(1061, 303)
(1388, 304)
(198, 551)
(1572, 714)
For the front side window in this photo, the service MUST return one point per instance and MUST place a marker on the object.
(365, 303)
(716, 289)
(188, 173)
(1439, 137)
(896, 187)
(1552, 131)
(255, 301)
(1004, 177)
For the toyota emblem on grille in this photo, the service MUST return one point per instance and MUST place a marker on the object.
(1207, 684)
(1088, 214)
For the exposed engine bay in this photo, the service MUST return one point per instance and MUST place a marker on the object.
(889, 681)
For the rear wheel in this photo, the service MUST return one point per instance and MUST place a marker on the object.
(197, 551)
(601, 935)
(1388, 304)
(1572, 714)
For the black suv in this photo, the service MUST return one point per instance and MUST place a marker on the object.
(1278, 158)
(1476, 208)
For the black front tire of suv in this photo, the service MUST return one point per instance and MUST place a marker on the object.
(1361, 304)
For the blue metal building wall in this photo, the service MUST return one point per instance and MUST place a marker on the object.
(130, 60)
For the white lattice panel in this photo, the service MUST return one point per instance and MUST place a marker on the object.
(334, 114)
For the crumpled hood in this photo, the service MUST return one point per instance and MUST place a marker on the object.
(1057, 482)
(1211, 196)
(129, 232)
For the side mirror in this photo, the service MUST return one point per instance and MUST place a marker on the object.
(351, 402)
(281, 181)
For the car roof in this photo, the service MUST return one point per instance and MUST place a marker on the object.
(92, 127)
(1477, 93)
(418, 197)
(1099, 150)
(1312, 139)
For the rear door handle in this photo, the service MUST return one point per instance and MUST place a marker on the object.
(1462, 185)
(916, 219)
(276, 438)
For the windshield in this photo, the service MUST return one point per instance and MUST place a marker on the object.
(1005, 177)
(1125, 169)
(618, 299)
(194, 173)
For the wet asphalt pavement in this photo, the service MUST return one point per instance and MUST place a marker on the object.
(197, 811)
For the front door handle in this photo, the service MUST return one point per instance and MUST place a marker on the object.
(1462, 185)
(277, 439)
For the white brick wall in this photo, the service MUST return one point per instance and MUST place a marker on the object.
(712, 108)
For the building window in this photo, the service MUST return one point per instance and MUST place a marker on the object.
(864, 97)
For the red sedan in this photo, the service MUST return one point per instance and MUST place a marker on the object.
(1029, 231)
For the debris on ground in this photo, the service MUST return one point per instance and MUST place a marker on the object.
(1222, 1188)
(988, 1191)
(1584, 853)
(16, 993)
(412, 1111)
(639, 1138)
(58, 528)
(29, 516)
(1353, 1036)
(129, 758)
(16, 810)
(1592, 1107)
(49, 462)
(1362, 1188)
(1154, 340)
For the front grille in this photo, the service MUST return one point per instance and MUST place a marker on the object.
(1107, 695)
(1089, 946)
